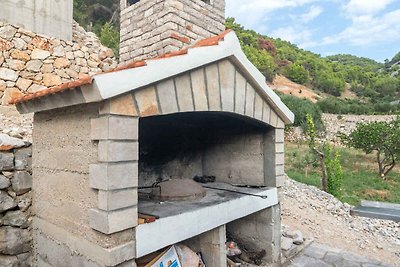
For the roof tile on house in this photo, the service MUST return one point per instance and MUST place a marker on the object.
(136, 64)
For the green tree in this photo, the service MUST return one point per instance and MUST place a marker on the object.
(380, 137)
(331, 169)
(329, 83)
(296, 73)
(313, 145)
(386, 86)
(262, 60)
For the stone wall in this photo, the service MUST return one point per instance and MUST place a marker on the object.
(15, 201)
(336, 124)
(30, 62)
(151, 28)
(347, 123)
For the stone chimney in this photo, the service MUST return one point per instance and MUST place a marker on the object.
(52, 18)
(150, 28)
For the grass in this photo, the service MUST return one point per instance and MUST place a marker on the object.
(360, 181)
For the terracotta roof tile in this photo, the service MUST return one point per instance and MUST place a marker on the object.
(53, 90)
(6, 147)
(180, 38)
(136, 64)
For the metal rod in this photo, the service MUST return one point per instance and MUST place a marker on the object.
(233, 191)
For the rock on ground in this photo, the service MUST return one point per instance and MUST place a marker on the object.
(321, 216)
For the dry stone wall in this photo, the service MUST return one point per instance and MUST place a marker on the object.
(15, 201)
(30, 62)
(347, 123)
(336, 124)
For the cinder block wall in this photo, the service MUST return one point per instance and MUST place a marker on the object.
(150, 28)
(62, 153)
(48, 17)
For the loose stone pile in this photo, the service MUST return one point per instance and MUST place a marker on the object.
(314, 198)
(366, 233)
(15, 124)
(292, 242)
(15, 201)
(30, 62)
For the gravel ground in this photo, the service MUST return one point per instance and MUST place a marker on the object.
(14, 124)
(320, 216)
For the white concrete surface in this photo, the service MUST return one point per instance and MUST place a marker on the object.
(173, 229)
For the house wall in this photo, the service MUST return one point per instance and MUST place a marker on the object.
(48, 17)
(150, 28)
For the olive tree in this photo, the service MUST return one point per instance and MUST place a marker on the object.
(383, 138)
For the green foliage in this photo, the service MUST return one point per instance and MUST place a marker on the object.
(329, 82)
(101, 17)
(262, 60)
(360, 181)
(334, 171)
(351, 60)
(394, 60)
(383, 138)
(296, 73)
(302, 107)
(355, 106)
(386, 86)
(109, 36)
(367, 78)
(310, 131)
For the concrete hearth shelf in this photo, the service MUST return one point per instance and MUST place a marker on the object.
(181, 220)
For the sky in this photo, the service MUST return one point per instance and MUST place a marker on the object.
(365, 28)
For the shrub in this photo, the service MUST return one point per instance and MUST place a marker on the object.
(262, 60)
(334, 171)
(109, 36)
(296, 73)
(329, 162)
(329, 83)
(302, 107)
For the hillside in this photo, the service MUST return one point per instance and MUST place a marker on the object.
(376, 85)
(285, 86)
(345, 83)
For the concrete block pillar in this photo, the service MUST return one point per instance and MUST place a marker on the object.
(212, 245)
(115, 176)
(274, 157)
(260, 231)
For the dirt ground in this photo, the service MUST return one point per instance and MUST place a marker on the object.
(286, 86)
(299, 212)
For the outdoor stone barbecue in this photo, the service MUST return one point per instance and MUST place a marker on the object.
(100, 143)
